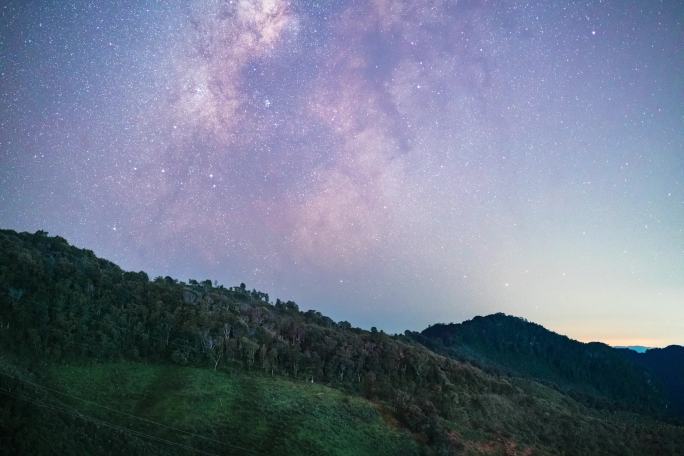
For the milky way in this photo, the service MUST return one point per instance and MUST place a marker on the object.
(391, 163)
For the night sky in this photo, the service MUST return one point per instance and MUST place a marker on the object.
(389, 163)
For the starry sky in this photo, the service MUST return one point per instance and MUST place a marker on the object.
(387, 162)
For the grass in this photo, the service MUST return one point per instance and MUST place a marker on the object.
(228, 413)
(159, 409)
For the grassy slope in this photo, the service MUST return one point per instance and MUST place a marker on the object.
(217, 412)
(122, 407)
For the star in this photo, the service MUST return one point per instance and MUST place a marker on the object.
(311, 145)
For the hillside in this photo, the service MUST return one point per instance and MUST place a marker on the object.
(161, 409)
(99, 359)
(595, 373)
(666, 365)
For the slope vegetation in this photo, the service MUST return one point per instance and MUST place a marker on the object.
(595, 373)
(227, 364)
(136, 408)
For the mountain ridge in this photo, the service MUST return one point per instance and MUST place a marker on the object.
(588, 371)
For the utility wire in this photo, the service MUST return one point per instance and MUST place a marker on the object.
(45, 388)
(77, 414)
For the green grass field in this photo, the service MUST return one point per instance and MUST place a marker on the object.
(159, 409)
(142, 408)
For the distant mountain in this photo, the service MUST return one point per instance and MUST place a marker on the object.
(636, 348)
(593, 372)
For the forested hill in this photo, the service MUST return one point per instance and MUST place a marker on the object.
(667, 365)
(93, 356)
(593, 372)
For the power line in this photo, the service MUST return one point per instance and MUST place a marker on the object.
(77, 414)
(52, 390)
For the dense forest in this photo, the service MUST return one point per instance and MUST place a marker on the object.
(594, 373)
(667, 366)
(66, 314)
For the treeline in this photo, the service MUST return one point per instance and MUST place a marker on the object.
(60, 303)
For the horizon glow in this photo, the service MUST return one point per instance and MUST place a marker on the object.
(390, 163)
